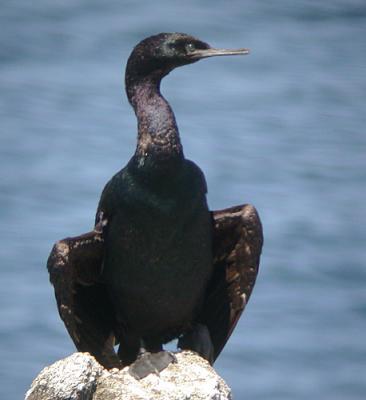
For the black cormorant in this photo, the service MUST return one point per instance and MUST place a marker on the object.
(158, 265)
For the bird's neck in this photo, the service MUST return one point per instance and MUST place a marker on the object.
(158, 141)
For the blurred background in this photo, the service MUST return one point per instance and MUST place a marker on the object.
(283, 129)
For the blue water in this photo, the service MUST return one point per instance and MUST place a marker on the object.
(283, 129)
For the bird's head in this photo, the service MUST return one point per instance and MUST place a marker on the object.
(159, 54)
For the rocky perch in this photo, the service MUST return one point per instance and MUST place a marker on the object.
(81, 377)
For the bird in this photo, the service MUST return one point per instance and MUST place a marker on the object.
(158, 264)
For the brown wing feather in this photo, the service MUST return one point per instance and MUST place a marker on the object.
(74, 266)
(237, 244)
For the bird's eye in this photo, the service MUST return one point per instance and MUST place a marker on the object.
(190, 47)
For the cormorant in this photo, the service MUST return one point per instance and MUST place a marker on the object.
(158, 265)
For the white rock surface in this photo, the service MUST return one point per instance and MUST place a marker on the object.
(73, 378)
(81, 377)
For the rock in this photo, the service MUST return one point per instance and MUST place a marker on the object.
(73, 378)
(81, 377)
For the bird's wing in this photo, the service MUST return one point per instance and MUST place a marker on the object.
(74, 266)
(237, 244)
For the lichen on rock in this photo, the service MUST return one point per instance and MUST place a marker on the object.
(81, 377)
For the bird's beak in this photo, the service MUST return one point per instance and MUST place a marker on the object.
(204, 53)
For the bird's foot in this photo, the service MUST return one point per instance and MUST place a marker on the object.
(198, 340)
(151, 363)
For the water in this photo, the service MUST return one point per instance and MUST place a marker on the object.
(283, 129)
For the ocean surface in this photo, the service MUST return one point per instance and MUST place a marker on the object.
(282, 128)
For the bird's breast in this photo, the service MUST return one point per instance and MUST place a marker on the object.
(158, 262)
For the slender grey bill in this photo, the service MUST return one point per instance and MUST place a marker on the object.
(204, 53)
